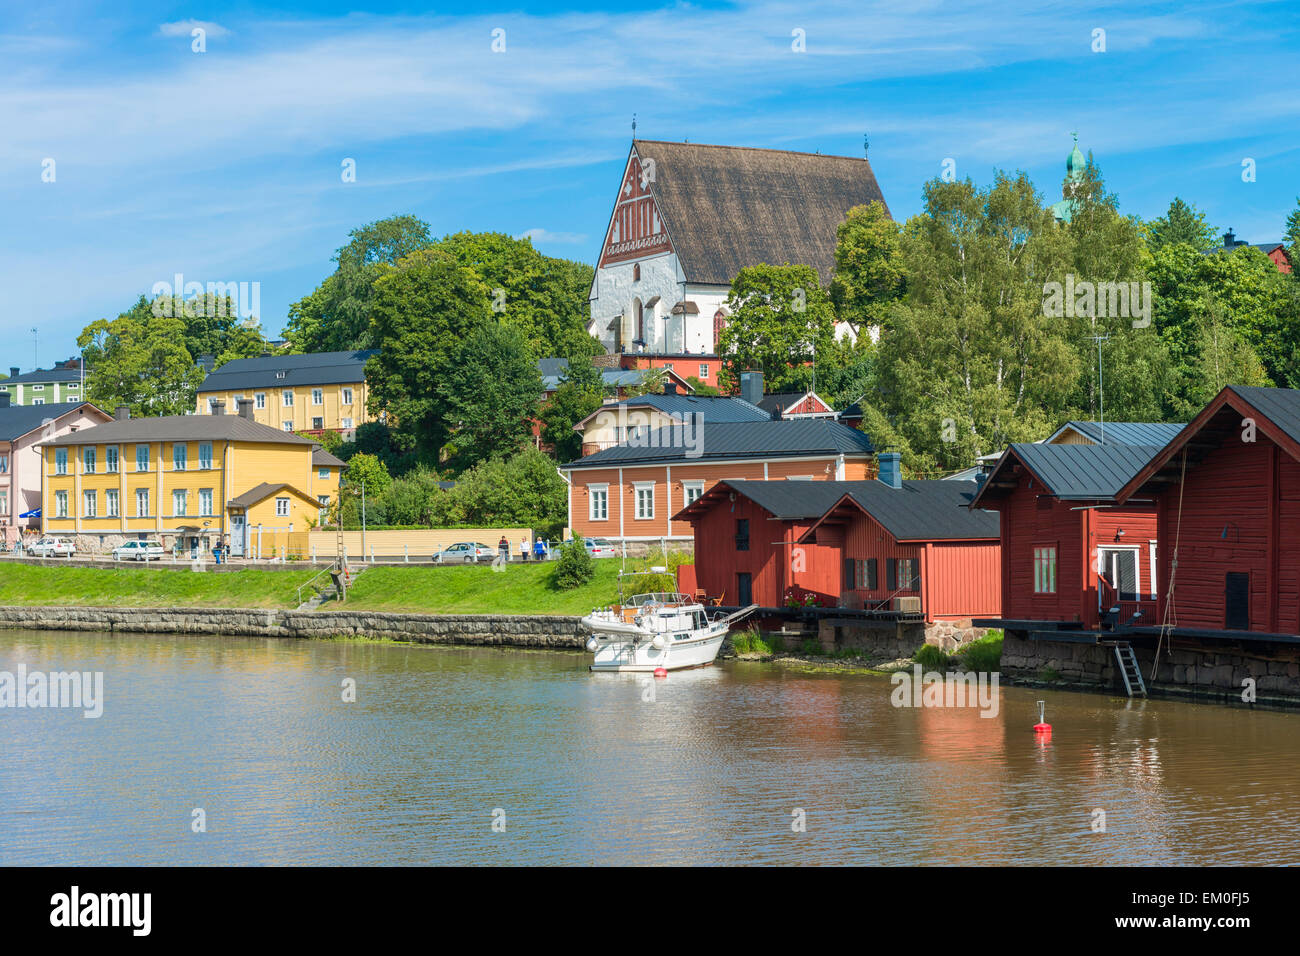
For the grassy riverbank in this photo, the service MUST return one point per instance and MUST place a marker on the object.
(519, 589)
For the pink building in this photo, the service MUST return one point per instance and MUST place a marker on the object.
(21, 428)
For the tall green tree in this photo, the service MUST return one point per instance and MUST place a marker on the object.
(869, 267)
(580, 394)
(490, 394)
(139, 359)
(423, 308)
(781, 320)
(1182, 223)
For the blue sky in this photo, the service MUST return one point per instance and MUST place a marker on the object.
(225, 165)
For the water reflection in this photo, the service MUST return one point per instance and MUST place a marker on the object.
(702, 767)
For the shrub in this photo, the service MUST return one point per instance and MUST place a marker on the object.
(931, 658)
(574, 567)
(983, 655)
(752, 641)
(811, 647)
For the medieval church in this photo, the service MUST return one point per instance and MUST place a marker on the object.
(689, 217)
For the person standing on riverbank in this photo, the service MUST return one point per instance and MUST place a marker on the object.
(503, 548)
(523, 548)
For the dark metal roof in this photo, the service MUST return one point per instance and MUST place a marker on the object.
(44, 375)
(713, 408)
(932, 510)
(728, 440)
(263, 491)
(1280, 405)
(181, 428)
(1125, 433)
(728, 207)
(316, 368)
(320, 458)
(19, 420)
(1080, 472)
(787, 499)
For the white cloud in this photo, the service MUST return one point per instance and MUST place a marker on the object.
(185, 28)
(545, 235)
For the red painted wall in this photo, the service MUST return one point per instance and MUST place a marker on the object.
(958, 579)
(1240, 512)
(1030, 521)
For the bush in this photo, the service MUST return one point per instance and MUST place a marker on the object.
(931, 658)
(811, 647)
(984, 655)
(574, 567)
(752, 641)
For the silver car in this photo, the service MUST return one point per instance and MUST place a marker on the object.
(600, 547)
(465, 552)
(139, 551)
(53, 547)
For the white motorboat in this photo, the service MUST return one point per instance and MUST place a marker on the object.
(656, 631)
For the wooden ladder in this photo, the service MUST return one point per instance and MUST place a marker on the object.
(1128, 669)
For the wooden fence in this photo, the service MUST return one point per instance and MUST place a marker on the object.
(413, 545)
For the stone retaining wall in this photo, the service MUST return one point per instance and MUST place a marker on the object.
(888, 639)
(1209, 670)
(481, 629)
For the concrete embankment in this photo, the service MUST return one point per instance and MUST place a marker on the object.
(540, 631)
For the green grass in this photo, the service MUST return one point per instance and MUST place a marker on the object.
(520, 589)
(35, 585)
(753, 641)
(983, 655)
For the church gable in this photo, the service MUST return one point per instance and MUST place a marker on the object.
(636, 229)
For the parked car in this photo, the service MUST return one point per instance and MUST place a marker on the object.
(465, 552)
(139, 551)
(52, 547)
(600, 547)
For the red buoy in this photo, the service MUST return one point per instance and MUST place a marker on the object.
(1042, 727)
(661, 672)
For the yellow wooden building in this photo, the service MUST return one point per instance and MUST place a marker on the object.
(313, 393)
(187, 481)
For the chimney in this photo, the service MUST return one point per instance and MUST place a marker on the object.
(751, 387)
(670, 388)
(122, 413)
(219, 407)
(1229, 240)
(246, 408)
(889, 468)
(13, 371)
(4, 399)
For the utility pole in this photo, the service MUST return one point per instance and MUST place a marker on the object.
(35, 364)
(1101, 384)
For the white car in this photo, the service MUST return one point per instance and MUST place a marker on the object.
(139, 551)
(465, 552)
(600, 548)
(52, 547)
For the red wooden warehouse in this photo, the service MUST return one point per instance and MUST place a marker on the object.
(1228, 493)
(913, 539)
(1070, 551)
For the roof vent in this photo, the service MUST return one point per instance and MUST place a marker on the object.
(890, 469)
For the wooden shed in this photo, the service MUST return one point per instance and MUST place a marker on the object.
(914, 539)
(1070, 550)
(1228, 493)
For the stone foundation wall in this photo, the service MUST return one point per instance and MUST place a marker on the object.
(477, 629)
(884, 639)
(1200, 670)
(950, 635)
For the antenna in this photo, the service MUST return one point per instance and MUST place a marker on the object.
(866, 144)
(1101, 383)
(634, 126)
(35, 363)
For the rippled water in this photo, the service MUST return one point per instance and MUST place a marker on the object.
(586, 771)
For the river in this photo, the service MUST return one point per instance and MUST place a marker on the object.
(466, 755)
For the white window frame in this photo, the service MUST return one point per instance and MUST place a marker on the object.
(638, 513)
(4, 464)
(60, 504)
(318, 396)
(603, 492)
(112, 503)
(347, 396)
(89, 503)
(1151, 556)
(1132, 549)
(1045, 572)
(205, 462)
(142, 498)
(205, 502)
(141, 461)
(180, 456)
(286, 397)
(259, 399)
(282, 507)
(181, 497)
(287, 426)
(704, 372)
(88, 460)
(60, 461)
(345, 423)
(112, 460)
(687, 488)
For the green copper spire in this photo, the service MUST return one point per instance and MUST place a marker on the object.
(1074, 164)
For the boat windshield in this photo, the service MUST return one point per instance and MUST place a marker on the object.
(657, 597)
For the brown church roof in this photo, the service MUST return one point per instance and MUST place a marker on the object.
(727, 207)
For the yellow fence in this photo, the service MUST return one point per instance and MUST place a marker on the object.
(418, 544)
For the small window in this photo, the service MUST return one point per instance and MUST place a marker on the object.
(110, 503)
(347, 396)
(645, 500)
(259, 399)
(60, 461)
(318, 423)
(180, 456)
(704, 372)
(4, 467)
(205, 454)
(38, 388)
(318, 396)
(60, 504)
(287, 425)
(141, 457)
(180, 502)
(205, 501)
(110, 459)
(742, 534)
(282, 507)
(142, 502)
(323, 473)
(345, 422)
(286, 398)
(89, 504)
(88, 460)
(691, 492)
(1045, 570)
(598, 502)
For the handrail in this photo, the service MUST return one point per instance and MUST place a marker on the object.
(328, 570)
